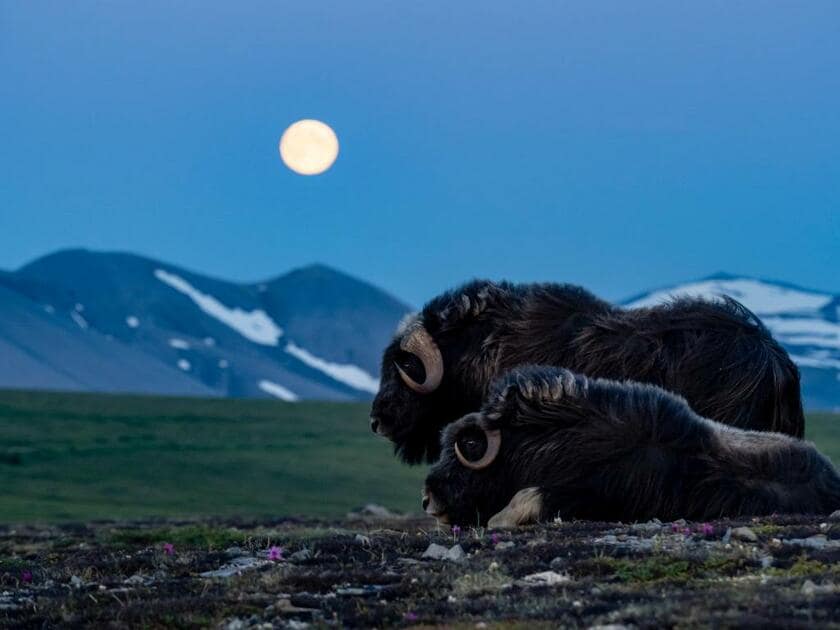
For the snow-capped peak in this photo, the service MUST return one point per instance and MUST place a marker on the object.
(761, 297)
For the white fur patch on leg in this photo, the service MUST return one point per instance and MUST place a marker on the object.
(525, 507)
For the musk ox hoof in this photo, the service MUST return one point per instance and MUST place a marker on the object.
(525, 507)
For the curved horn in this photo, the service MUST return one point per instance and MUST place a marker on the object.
(494, 442)
(419, 342)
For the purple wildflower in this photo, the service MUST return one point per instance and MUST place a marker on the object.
(456, 531)
(169, 549)
(26, 577)
(275, 553)
(675, 527)
(707, 529)
(495, 538)
(411, 616)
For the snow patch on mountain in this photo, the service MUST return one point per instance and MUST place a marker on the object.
(805, 331)
(760, 297)
(132, 322)
(817, 361)
(254, 325)
(348, 374)
(278, 391)
(179, 344)
(81, 322)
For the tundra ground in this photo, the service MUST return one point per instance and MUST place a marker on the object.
(372, 572)
(70, 458)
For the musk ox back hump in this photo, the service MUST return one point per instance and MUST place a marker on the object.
(716, 354)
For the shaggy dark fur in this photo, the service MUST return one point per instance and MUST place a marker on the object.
(717, 355)
(602, 450)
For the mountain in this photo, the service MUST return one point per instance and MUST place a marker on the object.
(90, 321)
(804, 321)
(112, 322)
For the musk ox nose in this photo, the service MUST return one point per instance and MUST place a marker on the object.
(374, 424)
(433, 506)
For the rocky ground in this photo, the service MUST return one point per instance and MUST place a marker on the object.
(375, 569)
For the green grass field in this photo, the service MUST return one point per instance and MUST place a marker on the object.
(83, 457)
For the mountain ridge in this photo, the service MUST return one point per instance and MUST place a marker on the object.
(116, 321)
(222, 334)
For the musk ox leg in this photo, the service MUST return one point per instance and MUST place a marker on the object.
(525, 507)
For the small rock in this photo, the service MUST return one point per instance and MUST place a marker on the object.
(235, 552)
(507, 544)
(235, 624)
(236, 567)
(745, 534)
(362, 540)
(727, 536)
(377, 511)
(545, 578)
(439, 552)
(766, 562)
(834, 516)
(359, 591)
(810, 589)
(651, 527)
(455, 554)
(814, 542)
(300, 556)
(138, 580)
(435, 552)
(76, 582)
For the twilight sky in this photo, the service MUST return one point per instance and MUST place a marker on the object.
(620, 145)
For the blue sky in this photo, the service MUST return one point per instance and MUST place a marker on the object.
(618, 145)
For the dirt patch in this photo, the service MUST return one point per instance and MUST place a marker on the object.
(368, 572)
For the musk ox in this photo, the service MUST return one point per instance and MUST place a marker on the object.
(716, 354)
(549, 442)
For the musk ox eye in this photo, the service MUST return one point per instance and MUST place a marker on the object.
(411, 365)
(477, 447)
(472, 443)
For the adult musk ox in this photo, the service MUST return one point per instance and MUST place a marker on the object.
(549, 442)
(716, 354)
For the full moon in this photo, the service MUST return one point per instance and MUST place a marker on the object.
(309, 147)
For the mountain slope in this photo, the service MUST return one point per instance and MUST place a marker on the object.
(92, 321)
(205, 336)
(804, 321)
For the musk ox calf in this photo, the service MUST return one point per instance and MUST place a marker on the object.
(716, 354)
(549, 442)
